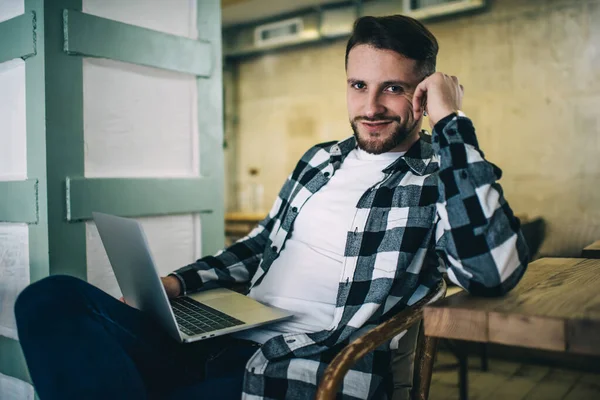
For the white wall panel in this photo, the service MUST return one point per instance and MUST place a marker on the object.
(177, 17)
(11, 8)
(174, 242)
(141, 121)
(138, 121)
(13, 142)
(14, 273)
(14, 389)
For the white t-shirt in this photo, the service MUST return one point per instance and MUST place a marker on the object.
(304, 278)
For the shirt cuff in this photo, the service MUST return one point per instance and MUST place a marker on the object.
(453, 129)
(441, 124)
(181, 283)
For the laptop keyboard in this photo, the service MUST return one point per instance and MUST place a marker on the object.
(194, 318)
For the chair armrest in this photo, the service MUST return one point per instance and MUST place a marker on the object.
(351, 354)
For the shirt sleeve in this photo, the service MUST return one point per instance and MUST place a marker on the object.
(478, 238)
(235, 264)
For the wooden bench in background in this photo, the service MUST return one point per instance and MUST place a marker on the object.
(239, 224)
(592, 251)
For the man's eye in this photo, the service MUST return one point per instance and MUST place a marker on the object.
(358, 85)
(394, 89)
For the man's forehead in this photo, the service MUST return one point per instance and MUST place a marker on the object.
(366, 62)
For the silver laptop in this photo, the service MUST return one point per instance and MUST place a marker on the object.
(203, 315)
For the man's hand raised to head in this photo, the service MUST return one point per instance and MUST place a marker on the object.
(438, 94)
(172, 287)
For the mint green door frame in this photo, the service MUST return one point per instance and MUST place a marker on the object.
(56, 199)
(25, 201)
(72, 197)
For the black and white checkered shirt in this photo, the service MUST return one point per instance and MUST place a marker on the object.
(438, 209)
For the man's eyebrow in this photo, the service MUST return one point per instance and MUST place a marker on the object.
(396, 83)
(403, 84)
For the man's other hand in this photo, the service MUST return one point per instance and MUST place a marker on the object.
(438, 94)
(172, 287)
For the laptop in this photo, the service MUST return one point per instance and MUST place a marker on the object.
(198, 316)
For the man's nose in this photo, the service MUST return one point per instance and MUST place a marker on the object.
(373, 105)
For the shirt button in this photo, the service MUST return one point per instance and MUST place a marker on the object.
(463, 174)
(274, 248)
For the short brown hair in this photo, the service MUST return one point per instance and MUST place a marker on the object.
(398, 33)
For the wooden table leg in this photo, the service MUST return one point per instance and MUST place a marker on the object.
(461, 353)
(484, 357)
(463, 378)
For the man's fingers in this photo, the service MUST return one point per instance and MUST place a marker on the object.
(419, 98)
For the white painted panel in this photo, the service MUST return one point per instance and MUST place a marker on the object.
(13, 134)
(174, 242)
(11, 8)
(177, 17)
(14, 389)
(139, 121)
(14, 273)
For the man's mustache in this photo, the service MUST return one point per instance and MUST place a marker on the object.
(376, 118)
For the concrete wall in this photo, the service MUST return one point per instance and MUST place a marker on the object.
(531, 70)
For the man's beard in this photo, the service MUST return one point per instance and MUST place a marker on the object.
(398, 136)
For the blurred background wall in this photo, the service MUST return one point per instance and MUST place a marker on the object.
(531, 71)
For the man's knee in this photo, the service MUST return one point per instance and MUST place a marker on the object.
(45, 295)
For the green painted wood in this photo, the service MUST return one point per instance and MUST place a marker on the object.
(94, 36)
(32, 193)
(210, 127)
(12, 362)
(64, 141)
(36, 145)
(18, 37)
(136, 197)
(18, 201)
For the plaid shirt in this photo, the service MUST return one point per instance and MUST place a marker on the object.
(438, 209)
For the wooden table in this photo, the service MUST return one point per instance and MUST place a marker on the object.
(592, 251)
(556, 306)
(240, 216)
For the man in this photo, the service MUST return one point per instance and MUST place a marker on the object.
(361, 229)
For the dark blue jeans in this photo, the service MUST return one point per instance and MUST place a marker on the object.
(81, 343)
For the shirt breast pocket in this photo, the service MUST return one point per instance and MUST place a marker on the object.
(407, 235)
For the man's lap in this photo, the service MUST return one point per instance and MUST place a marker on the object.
(164, 365)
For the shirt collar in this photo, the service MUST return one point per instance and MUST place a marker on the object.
(417, 157)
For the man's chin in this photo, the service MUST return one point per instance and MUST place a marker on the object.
(374, 143)
(373, 146)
